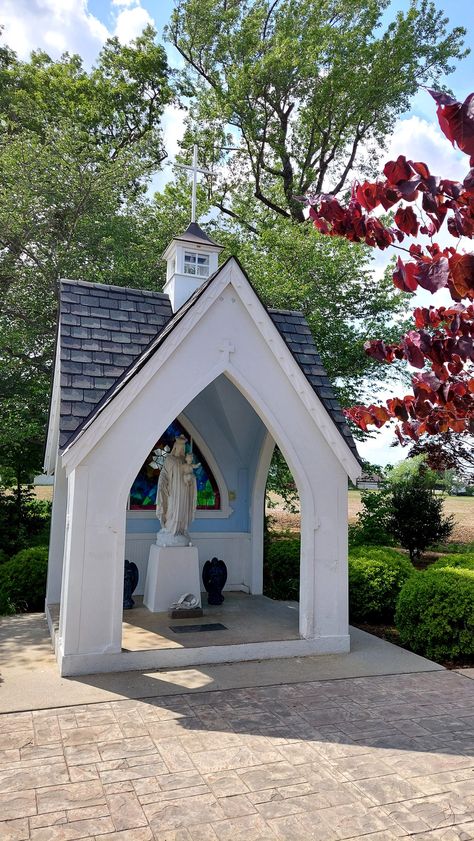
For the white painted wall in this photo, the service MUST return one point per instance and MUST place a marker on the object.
(233, 548)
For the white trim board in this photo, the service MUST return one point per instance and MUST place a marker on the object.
(81, 664)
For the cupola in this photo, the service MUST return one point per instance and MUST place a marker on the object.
(191, 258)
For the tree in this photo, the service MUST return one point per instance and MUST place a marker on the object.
(302, 88)
(294, 268)
(442, 345)
(416, 512)
(448, 451)
(76, 150)
(406, 509)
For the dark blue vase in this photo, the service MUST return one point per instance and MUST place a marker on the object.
(130, 581)
(214, 576)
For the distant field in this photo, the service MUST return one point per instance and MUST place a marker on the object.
(461, 506)
(44, 492)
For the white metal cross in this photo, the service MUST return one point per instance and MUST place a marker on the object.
(194, 169)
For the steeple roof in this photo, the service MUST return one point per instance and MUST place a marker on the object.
(195, 234)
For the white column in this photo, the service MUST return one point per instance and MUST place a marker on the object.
(92, 596)
(323, 564)
(57, 534)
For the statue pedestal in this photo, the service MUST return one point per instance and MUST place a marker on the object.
(172, 571)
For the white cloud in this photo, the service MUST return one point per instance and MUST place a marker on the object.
(379, 450)
(54, 26)
(131, 22)
(125, 3)
(173, 131)
(420, 140)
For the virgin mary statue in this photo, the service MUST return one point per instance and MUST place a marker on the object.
(176, 497)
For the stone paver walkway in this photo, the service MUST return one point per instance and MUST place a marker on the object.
(374, 758)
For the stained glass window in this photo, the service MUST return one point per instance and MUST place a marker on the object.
(143, 490)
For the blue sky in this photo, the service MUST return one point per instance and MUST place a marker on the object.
(83, 25)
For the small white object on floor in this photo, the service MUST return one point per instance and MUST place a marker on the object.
(187, 601)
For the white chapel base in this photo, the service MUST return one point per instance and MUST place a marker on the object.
(172, 571)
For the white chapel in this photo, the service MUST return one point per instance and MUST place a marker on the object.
(204, 360)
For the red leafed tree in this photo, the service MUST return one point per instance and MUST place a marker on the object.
(441, 343)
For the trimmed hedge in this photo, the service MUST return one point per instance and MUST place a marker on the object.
(376, 577)
(379, 552)
(282, 568)
(23, 581)
(435, 613)
(466, 561)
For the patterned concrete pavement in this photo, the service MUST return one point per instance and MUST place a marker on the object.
(372, 758)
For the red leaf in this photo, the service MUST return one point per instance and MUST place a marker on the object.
(421, 169)
(397, 408)
(462, 274)
(397, 171)
(407, 221)
(413, 353)
(433, 274)
(367, 195)
(441, 98)
(404, 276)
(377, 349)
(468, 182)
(456, 120)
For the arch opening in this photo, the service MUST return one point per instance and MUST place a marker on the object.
(238, 442)
(282, 546)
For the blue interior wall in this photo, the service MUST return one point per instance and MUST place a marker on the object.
(234, 433)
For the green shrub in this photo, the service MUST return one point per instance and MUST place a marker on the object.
(282, 568)
(466, 561)
(24, 520)
(3, 557)
(23, 581)
(371, 527)
(375, 580)
(454, 548)
(377, 552)
(435, 613)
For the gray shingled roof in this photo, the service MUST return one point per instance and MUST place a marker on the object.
(293, 328)
(108, 332)
(103, 329)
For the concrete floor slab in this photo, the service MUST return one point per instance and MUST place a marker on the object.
(246, 619)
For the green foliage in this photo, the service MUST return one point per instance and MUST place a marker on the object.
(282, 568)
(406, 510)
(454, 548)
(377, 552)
(465, 561)
(416, 515)
(376, 577)
(23, 581)
(330, 280)
(24, 521)
(435, 613)
(372, 526)
(305, 87)
(280, 481)
(76, 150)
